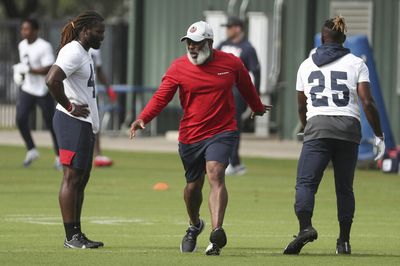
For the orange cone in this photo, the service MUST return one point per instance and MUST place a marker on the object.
(161, 186)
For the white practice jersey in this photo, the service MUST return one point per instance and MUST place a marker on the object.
(35, 55)
(79, 85)
(332, 88)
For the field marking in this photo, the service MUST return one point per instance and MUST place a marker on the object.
(36, 219)
(117, 220)
(120, 221)
(56, 220)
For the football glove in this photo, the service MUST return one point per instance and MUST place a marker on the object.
(379, 143)
(18, 79)
(17, 75)
(112, 95)
(21, 68)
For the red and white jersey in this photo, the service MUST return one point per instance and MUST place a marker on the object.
(35, 55)
(79, 86)
(332, 88)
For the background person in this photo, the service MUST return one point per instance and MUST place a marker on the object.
(238, 45)
(36, 57)
(99, 159)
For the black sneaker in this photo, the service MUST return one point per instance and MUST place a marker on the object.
(189, 240)
(343, 247)
(95, 243)
(79, 241)
(307, 235)
(217, 242)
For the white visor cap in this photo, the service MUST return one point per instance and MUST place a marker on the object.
(199, 31)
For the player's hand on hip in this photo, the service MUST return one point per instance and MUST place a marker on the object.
(80, 110)
(136, 125)
(379, 143)
(266, 109)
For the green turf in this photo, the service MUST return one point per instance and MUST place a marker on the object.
(143, 227)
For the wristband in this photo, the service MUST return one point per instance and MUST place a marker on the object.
(71, 108)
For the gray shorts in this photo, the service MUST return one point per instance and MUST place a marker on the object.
(216, 148)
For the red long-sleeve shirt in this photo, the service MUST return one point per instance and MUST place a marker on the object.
(205, 93)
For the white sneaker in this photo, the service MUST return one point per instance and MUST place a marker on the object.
(235, 170)
(229, 170)
(57, 163)
(31, 155)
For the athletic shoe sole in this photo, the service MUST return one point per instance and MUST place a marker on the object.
(213, 250)
(66, 245)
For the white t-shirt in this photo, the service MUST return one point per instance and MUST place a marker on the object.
(79, 85)
(332, 88)
(37, 54)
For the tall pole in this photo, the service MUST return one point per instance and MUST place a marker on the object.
(131, 63)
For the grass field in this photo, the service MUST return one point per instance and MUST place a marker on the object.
(144, 227)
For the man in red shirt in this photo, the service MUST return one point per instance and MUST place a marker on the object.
(208, 128)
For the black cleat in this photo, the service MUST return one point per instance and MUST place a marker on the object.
(213, 250)
(218, 241)
(81, 242)
(343, 247)
(189, 240)
(307, 235)
(95, 243)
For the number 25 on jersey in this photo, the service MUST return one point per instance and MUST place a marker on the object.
(336, 89)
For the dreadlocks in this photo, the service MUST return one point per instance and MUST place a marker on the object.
(72, 29)
(336, 28)
(339, 24)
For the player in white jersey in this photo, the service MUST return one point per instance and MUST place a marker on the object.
(99, 159)
(329, 84)
(36, 57)
(76, 121)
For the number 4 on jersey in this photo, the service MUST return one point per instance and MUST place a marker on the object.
(323, 100)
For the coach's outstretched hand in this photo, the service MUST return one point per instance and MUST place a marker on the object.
(80, 110)
(266, 109)
(137, 124)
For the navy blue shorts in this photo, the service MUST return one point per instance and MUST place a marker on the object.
(75, 140)
(216, 148)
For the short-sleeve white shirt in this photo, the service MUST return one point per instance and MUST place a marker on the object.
(35, 55)
(79, 85)
(332, 88)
